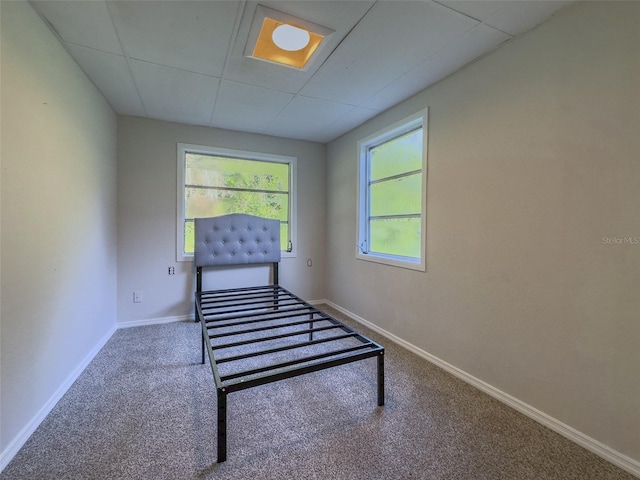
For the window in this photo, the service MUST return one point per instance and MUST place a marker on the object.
(392, 194)
(216, 181)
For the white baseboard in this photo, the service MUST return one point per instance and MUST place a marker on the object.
(12, 449)
(319, 302)
(155, 321)
(16, 444)
(620, 460)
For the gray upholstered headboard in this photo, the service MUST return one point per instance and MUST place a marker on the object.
(236, 239)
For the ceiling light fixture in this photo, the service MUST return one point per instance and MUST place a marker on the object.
(290, 38)
(280, 38)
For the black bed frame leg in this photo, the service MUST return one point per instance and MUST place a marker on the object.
(311, 328)
(198, 290)
(222, 425)
(202, 349)
(381, 379)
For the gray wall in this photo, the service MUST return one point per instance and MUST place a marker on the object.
(58, 248)
(147, 188)
(533, 159)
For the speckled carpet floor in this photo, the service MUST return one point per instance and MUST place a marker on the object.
(145, 409)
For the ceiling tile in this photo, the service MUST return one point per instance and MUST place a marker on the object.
(83, 23)
(175, 95)
(518, 17)
(247, 108)
(480, 10)
(306, 117)
(391, 39)
(111, 75)
(477, 41)
(337, 15)
(347, 122)
(193, 36)
(263, 74)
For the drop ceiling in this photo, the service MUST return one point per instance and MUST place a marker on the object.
(183, 61)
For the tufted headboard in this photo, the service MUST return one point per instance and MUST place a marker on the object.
(236, 239)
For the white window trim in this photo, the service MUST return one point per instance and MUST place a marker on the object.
(184, 148)
(409, 123)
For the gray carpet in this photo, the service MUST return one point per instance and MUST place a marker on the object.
(145, 409)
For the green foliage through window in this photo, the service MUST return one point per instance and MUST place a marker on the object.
(391, 214)
(395, 195)
(217, 185)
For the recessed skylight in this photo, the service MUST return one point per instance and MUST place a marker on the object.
(283, 39)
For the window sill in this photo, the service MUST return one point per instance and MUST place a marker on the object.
(392, 261)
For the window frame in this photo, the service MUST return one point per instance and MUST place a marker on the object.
(184, 148)
(397, 129)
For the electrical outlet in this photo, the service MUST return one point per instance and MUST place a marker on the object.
(172, 270)
(137, 297)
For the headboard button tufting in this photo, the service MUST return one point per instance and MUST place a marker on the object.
(254, 239)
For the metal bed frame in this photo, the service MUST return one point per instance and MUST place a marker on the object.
(285, 334)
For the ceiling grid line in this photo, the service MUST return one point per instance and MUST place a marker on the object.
(318, 69)
(338, 45)
(434, 54)
(127, 60)
(240, 12)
